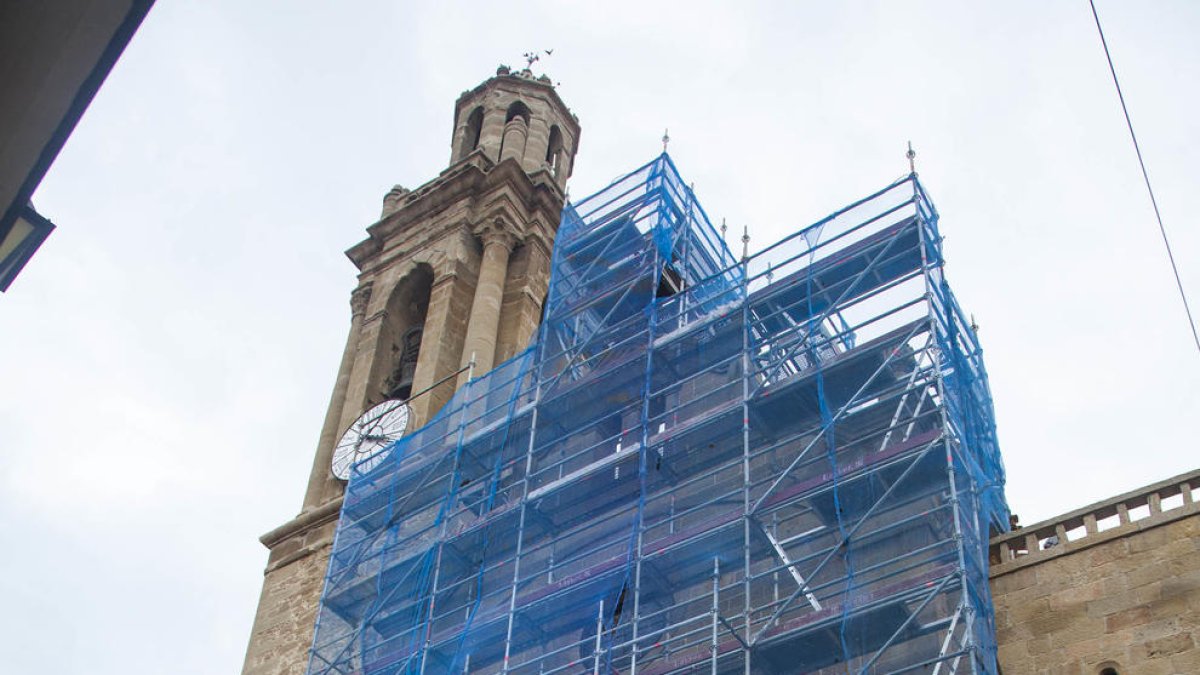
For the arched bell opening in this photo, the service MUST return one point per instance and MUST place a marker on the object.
(554, 150)
(471, 133)
(400, 338)
(516, 131)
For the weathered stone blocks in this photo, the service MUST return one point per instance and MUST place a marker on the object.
(1132, 601)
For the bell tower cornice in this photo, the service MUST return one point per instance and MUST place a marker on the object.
(471, 191)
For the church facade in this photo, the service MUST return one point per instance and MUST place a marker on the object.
(455, 280)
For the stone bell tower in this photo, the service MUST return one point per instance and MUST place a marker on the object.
(453, 270)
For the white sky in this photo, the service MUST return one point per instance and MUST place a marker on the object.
(166, 358)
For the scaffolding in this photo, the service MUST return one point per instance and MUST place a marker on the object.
(780, 464)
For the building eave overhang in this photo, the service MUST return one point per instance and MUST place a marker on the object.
(81, 95)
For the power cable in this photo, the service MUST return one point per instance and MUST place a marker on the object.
(1161, 228)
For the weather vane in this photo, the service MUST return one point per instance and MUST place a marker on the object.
(533, 57)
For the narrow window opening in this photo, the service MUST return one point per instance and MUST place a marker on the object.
(517, 109)
(1109, 671)
(554, 149)
(473, 132)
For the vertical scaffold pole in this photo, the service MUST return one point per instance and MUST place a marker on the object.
(934, 300)
(599, 636)
(516, 577)
(716, 609)
(687, 251)
(644, 450)
(746, 496)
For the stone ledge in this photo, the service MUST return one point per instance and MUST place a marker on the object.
(298, 555)
(303, 522)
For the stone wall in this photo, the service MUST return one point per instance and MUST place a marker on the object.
(291, 593)
(1114, 585)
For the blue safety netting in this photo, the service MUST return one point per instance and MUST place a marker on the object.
(784, 464)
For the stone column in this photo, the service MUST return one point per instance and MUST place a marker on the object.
(321, 475)
(516, 133)
(492, 133)
(441, 343)
(537, 139)
(489, 292)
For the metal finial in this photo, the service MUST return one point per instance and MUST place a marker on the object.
(974, 326)
(723, 228)
(912, 156)
(745, 243)
(665, 139)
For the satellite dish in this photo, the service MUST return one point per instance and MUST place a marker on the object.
(367, 440)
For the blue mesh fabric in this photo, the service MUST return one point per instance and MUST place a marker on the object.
(786, 464)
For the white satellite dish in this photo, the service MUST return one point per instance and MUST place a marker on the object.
(367, 440)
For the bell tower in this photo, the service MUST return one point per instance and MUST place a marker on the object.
(453, 273)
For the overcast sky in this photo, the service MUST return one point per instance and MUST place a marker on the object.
(167, 356)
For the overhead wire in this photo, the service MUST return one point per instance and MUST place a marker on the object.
(1146, 177)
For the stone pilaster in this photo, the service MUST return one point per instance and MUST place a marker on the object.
(484, 324)
(521, 313)
(322, 486)
(441, 345)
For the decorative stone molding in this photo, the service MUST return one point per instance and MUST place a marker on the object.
(326, 513)
(359, 299)
(376, 317)
(495, 231)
